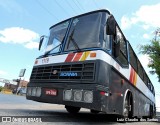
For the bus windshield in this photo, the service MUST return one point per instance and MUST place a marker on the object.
(57, 34)
(86, 31)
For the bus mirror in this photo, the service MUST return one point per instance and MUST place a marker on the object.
(117, 49)
(111, 26)
(41, 41)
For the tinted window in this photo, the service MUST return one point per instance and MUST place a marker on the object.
(86, 31)
(140, 70)
(122, 58)
(133, 58)
(145, 79)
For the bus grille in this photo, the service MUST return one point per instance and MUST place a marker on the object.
(84, 71)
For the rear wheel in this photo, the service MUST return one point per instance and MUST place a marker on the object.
(127, 110)
(72, 109)
(151, 113)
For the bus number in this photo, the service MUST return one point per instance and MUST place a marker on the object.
(45, 60)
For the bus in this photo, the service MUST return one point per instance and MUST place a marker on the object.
(88, 63)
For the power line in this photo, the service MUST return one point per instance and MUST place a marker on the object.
(95, 4)
(77, 6)
(70, 6)
(80, 5)
(62, 8)
(47, 10)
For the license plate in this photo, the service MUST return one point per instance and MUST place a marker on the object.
(52, 92)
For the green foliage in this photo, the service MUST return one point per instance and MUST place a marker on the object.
(153, 50)
(1, 88)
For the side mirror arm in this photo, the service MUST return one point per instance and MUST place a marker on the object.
(41, 41)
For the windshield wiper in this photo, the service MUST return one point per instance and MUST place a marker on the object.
(73, 41)
(52, 49)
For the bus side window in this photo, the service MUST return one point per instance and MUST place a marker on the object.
(122, 58)
(133, 58)
(145, 79)
(140, 69)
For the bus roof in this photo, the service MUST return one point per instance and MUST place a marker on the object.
(100, 10)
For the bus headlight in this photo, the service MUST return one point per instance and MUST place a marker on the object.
(38, 91)
(88, 96)
(34, 91)
(67, 94)
(77, 95)
(29, 91)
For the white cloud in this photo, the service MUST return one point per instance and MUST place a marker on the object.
(146, 36)
(146, 27)
(148, 15)
(32, 45)
(3, 72)
(144, 59)
(18, 35)
(125, 22)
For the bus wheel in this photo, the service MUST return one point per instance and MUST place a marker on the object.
(72, 109)
(151, 114)
(126, 109)
(94, 111)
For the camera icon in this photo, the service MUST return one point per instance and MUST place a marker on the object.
(6, 119)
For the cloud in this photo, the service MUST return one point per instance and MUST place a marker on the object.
(125, 22)
(144, 59)
(32, 45)
(18, 35)
(3, 72)
(146, 36)
(148, 15)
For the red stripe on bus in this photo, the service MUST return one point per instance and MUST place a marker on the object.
(70, 57)
(131, 75)
(78, 56)
(134, 77)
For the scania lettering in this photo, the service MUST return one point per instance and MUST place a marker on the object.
(89, 63)
(68, 74)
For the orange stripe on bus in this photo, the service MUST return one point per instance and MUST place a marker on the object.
(135, 79)
(78, 56)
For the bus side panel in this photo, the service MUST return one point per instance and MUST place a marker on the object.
(117, 94)
(141, 105)
(115, 100)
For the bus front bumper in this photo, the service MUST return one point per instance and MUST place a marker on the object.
(85, 96)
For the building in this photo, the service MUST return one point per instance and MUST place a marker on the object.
(12, 86)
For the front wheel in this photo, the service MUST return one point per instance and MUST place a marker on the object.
(72, 109)
(94, 111)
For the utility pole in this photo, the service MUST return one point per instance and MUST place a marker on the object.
(21, 74)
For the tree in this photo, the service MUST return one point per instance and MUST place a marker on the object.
(1, 88)
(153, 50)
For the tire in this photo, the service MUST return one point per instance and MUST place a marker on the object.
(151, 113)
(94, 111)
(72, 109)
(127, 110)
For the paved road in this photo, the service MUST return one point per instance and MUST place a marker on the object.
(25, 110)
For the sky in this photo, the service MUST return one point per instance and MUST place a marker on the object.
(22, 22)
